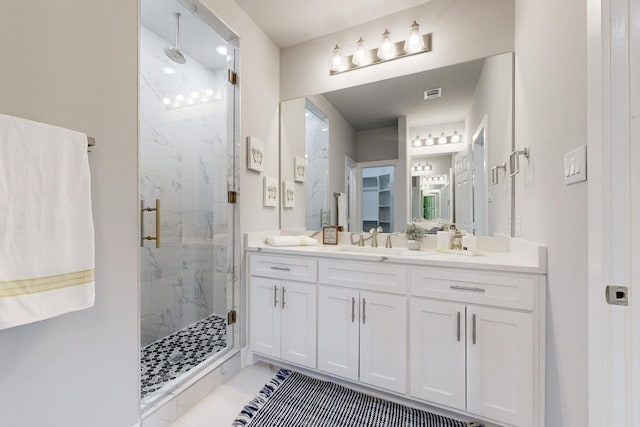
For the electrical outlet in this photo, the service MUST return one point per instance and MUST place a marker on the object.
(575, 165)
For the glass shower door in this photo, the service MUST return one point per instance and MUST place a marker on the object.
(187, 162)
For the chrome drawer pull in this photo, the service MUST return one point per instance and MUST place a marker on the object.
(353, 310)
(275, 296)
(467, 288)
(473, 331)
(275, 267)
(364, 311)
(458, 328)
(283, 297)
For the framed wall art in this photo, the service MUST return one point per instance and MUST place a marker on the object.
(270, 191)
(299, 168)
(255, 154)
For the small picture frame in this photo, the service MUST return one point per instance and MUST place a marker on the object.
(270, 192)
(299, 168)
(330, 235)
(255, 154)
(288, 194)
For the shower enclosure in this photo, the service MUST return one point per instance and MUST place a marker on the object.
(187, 169)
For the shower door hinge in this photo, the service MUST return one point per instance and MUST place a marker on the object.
(233, 77)
(232, 317)
(232, 196)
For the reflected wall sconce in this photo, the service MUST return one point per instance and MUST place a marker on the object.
(514, 160)
(443, 139)
(494, 173)
(388, 51)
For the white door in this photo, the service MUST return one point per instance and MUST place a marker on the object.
(338, 331)
(265, 316)
(437, 353)
(383, 340)
(298, 323)
(500, 365)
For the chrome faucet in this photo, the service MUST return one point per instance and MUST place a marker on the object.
(374, 236)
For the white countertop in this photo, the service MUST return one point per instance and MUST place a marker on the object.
(516, 256)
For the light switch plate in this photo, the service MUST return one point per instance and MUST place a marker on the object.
(575, 165)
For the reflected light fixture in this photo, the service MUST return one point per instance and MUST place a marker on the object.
(442, 140)
(430, 140)
(455, 138)
(336, 61)
(359, 58)
(386, 50)
(415, 42)
(417, 142)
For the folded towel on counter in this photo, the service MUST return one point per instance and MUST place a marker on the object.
(291, 241)
(46, 226)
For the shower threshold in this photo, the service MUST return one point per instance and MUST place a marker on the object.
(163, 362)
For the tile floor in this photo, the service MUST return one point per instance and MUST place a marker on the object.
(222, 406)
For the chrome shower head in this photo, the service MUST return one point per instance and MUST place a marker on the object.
(174, 53)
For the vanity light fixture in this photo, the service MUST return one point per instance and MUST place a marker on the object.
(417, 142)
(414, 43)
(336, 61)
(360, 57)
(388, 51)
(442, 140)
(430, 140)
(455, 138)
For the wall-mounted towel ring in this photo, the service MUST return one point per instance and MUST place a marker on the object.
(514, 160)
(144, 209)
(494, 173)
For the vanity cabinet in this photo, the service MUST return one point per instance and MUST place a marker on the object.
(283, 312)
(494, 346)
(468, 339)
(362, 336)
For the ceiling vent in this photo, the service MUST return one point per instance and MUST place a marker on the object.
(432, 94)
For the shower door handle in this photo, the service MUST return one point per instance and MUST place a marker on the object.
(144, 209)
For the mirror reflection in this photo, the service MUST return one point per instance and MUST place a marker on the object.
(417, 148)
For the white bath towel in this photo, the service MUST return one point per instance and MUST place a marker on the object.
(46, 226)
(291, 241)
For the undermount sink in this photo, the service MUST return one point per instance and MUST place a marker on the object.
(383, 251)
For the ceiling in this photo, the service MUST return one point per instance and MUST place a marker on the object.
(289, 22)
(197, 39)
(379, 104)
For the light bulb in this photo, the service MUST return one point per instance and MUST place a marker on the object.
(359, 58)
(417, 142)
(414, 43)
(386, 48)
(209, 92)
(169, 70)
(336, 61)
(180, 97)
(442, 139)
(430, 140)
(455, 138)
(222, 50)
(166, 101)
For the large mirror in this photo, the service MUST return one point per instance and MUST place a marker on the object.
(428, 147)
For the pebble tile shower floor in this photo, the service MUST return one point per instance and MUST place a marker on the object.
(175, 354)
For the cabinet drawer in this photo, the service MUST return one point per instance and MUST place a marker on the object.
(364, 275)
(511, 291)
(284, 267)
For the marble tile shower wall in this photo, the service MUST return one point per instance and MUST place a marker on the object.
(316, 198)
(183, 162)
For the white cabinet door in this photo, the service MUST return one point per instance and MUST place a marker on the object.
(500, 365)
(298, 323)
(437, 352)
(338, 331)
(265, 316)
(383, 340)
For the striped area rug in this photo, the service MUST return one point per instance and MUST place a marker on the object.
(291, 399)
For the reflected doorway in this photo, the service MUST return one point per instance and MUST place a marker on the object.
(377, 194)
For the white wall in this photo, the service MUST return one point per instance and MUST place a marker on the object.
(74, 64)
(259, 96)
(292, 143)
(377, 144)
(462, 31)
(550, 117)
(493, 99)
